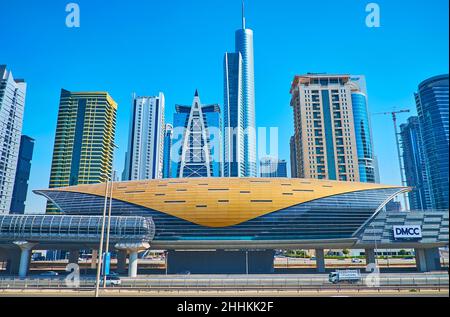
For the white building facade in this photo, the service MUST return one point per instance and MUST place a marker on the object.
(145, 154)
(12, 104)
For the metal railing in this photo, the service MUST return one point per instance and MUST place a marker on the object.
(230, 284)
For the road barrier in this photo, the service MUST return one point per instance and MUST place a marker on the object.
(231, 284)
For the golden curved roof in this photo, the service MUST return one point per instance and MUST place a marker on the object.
(222, 202)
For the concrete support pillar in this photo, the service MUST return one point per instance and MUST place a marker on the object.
(25, 254)
(320, 260)
(433, 259)
(121, 261)
(133, 263)
(13, 262)
(74, 255)
(421, 262)
(132, 248)
(94, 259)
(370, 256)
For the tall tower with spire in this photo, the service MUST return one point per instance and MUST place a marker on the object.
(200, 146)
(239, 106)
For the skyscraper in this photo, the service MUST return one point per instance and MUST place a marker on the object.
(293, 155)
(12, 104)
(332, 132)
(432, 101)
(272, 167)
(167, 149)
(200, 145)
(22, 175)
(363, 130)
(84, 141)
(144, 157)
(415, 167)
(239, 106)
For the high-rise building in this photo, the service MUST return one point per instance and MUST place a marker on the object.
(414, 164)
(239, 106)
(84, 142)
(144, 157)
(167, 148)
(432, 102)
(332, 131)
(200, 145)
(12, 104)
(22, 175)
(363, 130)
(293, 156)
(272, 167)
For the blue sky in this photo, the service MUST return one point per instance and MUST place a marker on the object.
(177, 46)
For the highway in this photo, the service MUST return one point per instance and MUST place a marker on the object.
(391, 284)
(265, 281)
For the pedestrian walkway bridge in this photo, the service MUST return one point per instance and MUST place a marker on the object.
(58, 229)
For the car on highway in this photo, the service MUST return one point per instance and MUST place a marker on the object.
(184, 273)
(49, 274)
(356, 260)
(111, 280)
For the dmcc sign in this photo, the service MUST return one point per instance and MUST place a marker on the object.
(407, 232)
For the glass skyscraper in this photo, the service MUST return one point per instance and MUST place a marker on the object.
(272, 167)
(239, 106)
(293, 157)
(12, 104)
(167, 149)
(144, 157)
(22, 175)
(432, 101)
(197, 138)
(363, 131)
(84, 141)
(415, 167)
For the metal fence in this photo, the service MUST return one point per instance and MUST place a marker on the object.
(231, 284)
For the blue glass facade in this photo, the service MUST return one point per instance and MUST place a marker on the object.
(331, 162)
(22, 175)
(167, 148)
(239, 101)
(415, 167)
(233, 114)
(363, 137)
(332, 217)
(270, 167)
(432, 102)
(244, 45)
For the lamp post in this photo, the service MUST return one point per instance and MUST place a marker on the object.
(107, 256)
(100, 255)
(108, 230)
(102, 234)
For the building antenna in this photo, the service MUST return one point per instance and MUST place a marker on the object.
(243, 15)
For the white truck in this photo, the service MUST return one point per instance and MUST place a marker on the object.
(349, 276)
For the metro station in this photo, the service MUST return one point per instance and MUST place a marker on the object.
(226, 225)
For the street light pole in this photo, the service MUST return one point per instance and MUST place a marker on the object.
(109, 218)
(109, 225)
(100, 253)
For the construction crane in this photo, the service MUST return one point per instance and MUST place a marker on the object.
(400, 160)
